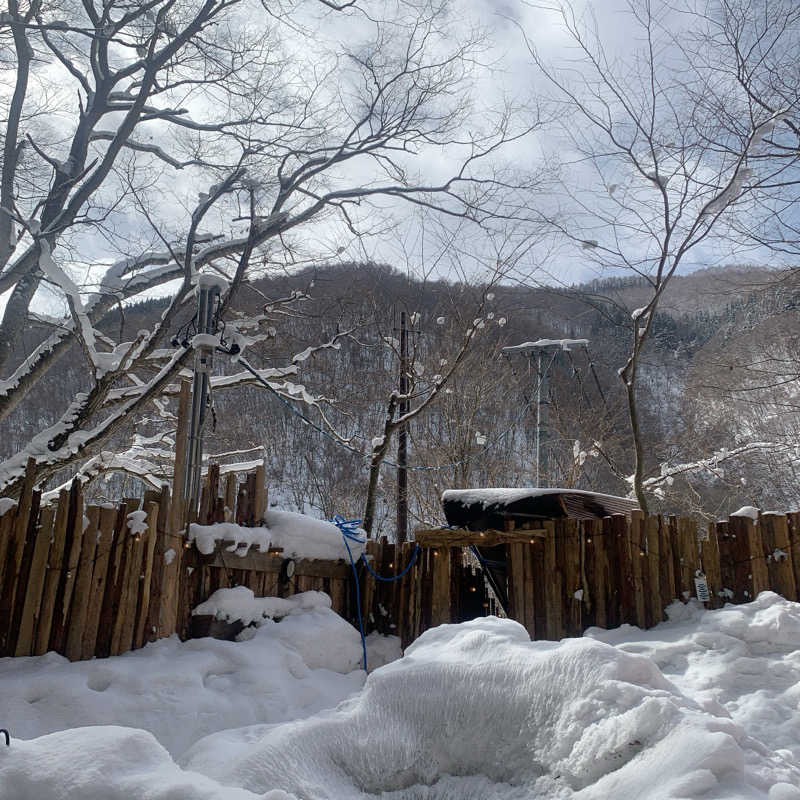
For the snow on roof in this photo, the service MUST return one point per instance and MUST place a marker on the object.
(747, 511)
(299, 535)
(504, 497)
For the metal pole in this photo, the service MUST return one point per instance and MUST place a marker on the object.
(207, 294)
(402, 438)
(538, 409)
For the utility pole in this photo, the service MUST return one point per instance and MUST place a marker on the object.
(208, 290)
(402, 438)
(528, 349)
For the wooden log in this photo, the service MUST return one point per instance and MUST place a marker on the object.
(654, 605)
(112, 590)
(6, 536)
(515, 579)
(230, 497)
(613, 575)
(554, 626)
(572, 597)
(104, 539)
(35, 583)
(748, 559)
(23, 574)
(598, 577)
(260, 497)
(129, 602)
(621, 537)
(726, 562)
(793, 520)
(162, 543)
(778, 553)
(73, 539)
(666, 576)
(82, 593)
(687, 557)
(55, 562)
(588, 615)
(638, 550)
(709, 557)
(440, 576)
(14, 562)
(445, 537)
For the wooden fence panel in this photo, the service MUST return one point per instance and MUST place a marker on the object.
(777, 549)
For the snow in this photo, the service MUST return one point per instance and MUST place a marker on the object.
(239, 603)
(6, 504)
(705, 705)
(564, 344)
(747, 511)
(137, 522)
(299, 536)
(505, 496)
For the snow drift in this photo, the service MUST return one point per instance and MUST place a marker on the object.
(471, 711)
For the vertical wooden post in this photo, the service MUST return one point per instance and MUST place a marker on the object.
(749, 567)
(793, 520)
(440, 600)
(621, 528)
(35, 584)
(687, 557)
(667, 563)
(101, 574)
(81, 595)
(778, 550)
(654, 604)
(638, 551)
(572, 593)
(709, 554)
(554, 587)
(596, 546)
(260, 499)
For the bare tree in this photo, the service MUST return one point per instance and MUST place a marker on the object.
(658, 172)
(148, 142)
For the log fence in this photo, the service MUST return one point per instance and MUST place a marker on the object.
(85, 581)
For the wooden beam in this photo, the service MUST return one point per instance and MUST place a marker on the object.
(446, 537)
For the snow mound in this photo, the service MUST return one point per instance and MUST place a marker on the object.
(182, 691)
(741, 660)
(477, 710)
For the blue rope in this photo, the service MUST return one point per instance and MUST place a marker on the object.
(485, 562)
(394, 577)
(348, 528)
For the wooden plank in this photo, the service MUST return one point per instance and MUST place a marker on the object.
(231, 493)
(747, 552)
(445, 537)
(162, 544)
(35, 583)
(260, 499)
(145, 585)
(23, 575)
(687, 557)
(514, 577)
(666, 578)
(726, 564)
(709, 557)
(130, 596)
(596, 546)
(654, 606)
(778, 554)
(82, 592)
(113, 585)
(588, 611)
(440, 576)
(14, 562)
(612, 575)
(621, 538)
(793, 521)
(73, 541)
(55, 560)
(573, 583)
(638, 549)
(6, 537)
(554, 626)
(104, 548)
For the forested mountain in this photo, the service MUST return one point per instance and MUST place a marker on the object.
(720, 373)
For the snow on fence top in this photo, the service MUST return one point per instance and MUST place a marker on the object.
(299, 536)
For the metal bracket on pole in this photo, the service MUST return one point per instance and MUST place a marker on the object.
(204, 343)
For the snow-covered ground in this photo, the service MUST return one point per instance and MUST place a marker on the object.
(704, 706)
